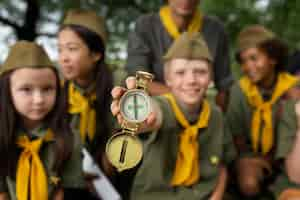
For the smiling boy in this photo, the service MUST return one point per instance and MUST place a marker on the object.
(184, 156)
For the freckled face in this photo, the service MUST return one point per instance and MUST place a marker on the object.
(33, 92)
(188, 79)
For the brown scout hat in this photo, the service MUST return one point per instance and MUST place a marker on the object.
(87, 19)
(189, 46)
(252, 36)
(26, 54)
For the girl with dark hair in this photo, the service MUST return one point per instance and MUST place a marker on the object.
(255, 108)
(35, 141)
(275, 50)
(88, 82)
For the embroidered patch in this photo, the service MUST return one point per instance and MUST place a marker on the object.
(214, 160)
(54, 180)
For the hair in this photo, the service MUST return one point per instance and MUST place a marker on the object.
(10, 119)
(275, 49)
(293, 62)
(103, 85)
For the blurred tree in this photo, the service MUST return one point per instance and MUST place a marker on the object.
(281, 16)
(30, 19)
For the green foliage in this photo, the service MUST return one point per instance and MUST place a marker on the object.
(279, 15)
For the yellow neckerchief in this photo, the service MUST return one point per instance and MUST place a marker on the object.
(187, 169)
(30, 169)
(166, 18)
(79, 104)
(263, 110)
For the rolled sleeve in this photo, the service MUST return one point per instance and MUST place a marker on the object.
(287, 129)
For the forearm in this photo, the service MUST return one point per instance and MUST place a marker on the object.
(292, 161)
(221, 185)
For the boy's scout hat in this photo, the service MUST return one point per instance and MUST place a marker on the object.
(26, 54)
(87, 19)
(252, 36)
(189, 46)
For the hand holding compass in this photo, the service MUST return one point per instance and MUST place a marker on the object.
(124, 149)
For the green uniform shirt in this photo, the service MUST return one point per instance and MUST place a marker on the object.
(47, 157)
(239, 117)
(74, 172)
(153, 178)
(149, 41)
(286, 137)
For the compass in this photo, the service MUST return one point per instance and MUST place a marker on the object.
(124, 149)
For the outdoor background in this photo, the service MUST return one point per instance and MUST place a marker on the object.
(39, 20)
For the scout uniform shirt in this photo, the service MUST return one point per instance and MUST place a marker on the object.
(153, 178)
(150, 40)
(74, 172)
(47, 156)
(287, 130)
(239, 118)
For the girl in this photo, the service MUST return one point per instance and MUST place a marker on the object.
(88, 82)
(35, 140)
(255, 108)
(184, 156)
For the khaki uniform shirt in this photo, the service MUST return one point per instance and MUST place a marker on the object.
(149, 42)
(47, 156)
(74, 172)
(153, 178)
(239, 118)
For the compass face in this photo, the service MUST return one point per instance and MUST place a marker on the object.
(135, 106)
(124, 151)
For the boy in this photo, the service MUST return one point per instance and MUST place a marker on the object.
(183, 156)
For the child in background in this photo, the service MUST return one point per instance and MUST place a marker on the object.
(255, 108)
(88, 82)
(35, 141)
(184, 157)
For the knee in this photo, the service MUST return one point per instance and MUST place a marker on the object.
(249, 186)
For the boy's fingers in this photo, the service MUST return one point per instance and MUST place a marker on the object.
(115, 107)
(120, 119)
(117, 92)
(130, 82)
(150, 121)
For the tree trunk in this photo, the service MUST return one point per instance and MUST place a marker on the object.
(28, 31)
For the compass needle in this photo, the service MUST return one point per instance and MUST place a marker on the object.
(123, 151)
(135, 106)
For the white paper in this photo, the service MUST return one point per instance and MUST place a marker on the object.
(105, 190)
